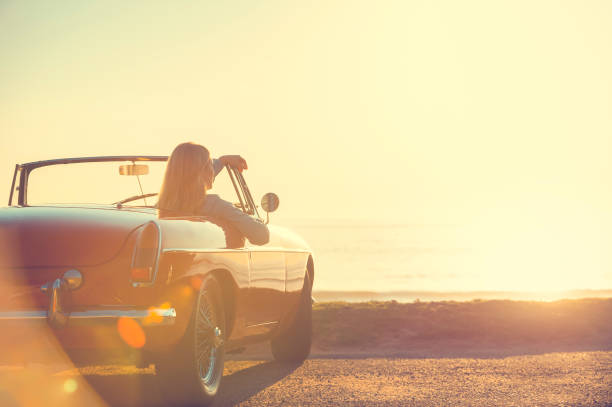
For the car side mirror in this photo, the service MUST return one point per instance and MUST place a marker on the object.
(270, 202)
(134, 169)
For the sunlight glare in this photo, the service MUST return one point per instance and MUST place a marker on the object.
(549, 248)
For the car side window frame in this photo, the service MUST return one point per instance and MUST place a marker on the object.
(242, 190)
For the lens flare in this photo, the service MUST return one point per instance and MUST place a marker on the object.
(154, 316)
(196, 282)
(70, 386)
(131, 332)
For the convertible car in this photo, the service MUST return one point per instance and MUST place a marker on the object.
(85, 253)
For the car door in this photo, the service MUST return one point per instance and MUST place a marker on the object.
(267, 271)
(266, 282)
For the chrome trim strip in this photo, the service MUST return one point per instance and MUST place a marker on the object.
(276, 249)
(242, 250)
(152, 316)
(195, 250)
(27, 315)
(263, 324)
(157, 257)
(37, 164)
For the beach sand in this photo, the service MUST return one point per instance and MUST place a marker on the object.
(477, 328)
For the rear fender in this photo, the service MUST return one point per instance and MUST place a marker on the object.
(229, 297)
(182, 294)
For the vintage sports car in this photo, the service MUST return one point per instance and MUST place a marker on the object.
(85, 253)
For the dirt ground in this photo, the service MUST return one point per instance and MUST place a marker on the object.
(478, 353)
(556, 379)
(563, 379)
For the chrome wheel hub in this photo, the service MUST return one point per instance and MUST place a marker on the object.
(218, 341)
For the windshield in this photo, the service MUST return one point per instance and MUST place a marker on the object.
(93, 183)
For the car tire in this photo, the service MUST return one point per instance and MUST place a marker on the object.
(192, 373)
(293, 344)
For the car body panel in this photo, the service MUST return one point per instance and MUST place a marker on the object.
(28, 230)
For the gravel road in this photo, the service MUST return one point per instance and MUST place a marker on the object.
(566, 379)
(556, 379)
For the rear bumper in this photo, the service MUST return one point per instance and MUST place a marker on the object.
(146, 317)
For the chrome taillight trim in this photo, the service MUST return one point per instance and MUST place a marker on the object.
(139, 284)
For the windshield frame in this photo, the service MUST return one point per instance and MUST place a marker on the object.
(23, 171)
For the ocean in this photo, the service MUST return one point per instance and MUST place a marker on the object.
(359, 261)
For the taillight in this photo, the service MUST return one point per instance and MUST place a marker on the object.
(141, 273)
(145, 256)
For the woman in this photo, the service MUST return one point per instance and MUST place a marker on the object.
(190, 172)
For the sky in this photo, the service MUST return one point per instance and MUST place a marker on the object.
(421, 111)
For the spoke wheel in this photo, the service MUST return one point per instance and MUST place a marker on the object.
(208, 338)
(191, 374)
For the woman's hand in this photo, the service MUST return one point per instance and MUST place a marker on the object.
(234, 161)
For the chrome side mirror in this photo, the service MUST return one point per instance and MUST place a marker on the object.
(269, 202)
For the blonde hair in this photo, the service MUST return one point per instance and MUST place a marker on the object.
(189, 174)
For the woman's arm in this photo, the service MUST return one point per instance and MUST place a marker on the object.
(234, 161)
(251, 228)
